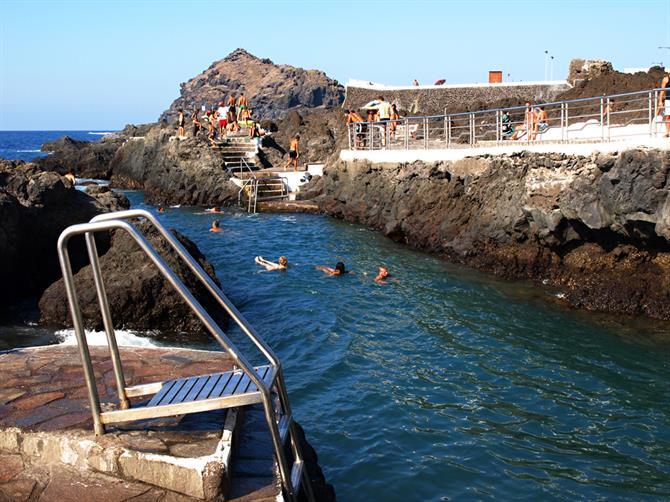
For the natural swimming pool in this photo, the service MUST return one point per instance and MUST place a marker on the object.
(447, 384)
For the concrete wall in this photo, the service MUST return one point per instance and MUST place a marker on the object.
(432, 100)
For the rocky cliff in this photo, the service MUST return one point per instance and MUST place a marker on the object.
(272, 89)
(35, 207)
(596, 227)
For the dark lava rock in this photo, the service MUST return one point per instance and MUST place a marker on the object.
(35, 207)
(139, 297)
(86, 159)
(272, 89)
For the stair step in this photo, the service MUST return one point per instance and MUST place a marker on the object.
(284, 425)
(296, 476)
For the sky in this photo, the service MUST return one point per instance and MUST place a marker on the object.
(98, 65)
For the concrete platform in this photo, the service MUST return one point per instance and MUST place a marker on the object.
(48, 450)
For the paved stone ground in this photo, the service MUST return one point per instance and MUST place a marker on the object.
(43, 402)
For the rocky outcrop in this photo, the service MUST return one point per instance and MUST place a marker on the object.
(139, 296)
(173, 171)
(35, 207)
(586, 69)
(86, 159)
(587, 225)
(272, 89)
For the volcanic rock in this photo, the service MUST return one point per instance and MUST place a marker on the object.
(35, 207)
(598, 227)
(139, 296)
(86, 159)
(272, 89)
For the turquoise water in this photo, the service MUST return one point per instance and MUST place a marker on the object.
(445, 384)
(448, 384)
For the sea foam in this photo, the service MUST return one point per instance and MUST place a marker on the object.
(98, 338)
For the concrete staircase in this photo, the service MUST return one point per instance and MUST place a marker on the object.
(238, 153)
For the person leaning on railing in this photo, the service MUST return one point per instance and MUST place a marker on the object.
(359, 132)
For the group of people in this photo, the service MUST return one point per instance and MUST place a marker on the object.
(228, 117)
(384, 113)
(338, 270)
(534, 122)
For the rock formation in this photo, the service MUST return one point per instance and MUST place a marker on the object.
(35, 207)
(173, 171)
(139, 297)
(272, 89)
(86, 159)
(588, 69)
(598, 227)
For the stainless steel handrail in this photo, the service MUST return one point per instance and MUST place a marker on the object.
(469, 128)
(203, 276)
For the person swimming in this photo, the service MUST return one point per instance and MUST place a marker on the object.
(269, 265)
(338, 270)
(161, 209)
(382, 275)
(213, 210)
(215, 227)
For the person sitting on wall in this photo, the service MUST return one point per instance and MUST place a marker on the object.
(541, 118)
(359, 128)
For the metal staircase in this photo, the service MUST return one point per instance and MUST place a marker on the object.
(238, 152)
(247, 385)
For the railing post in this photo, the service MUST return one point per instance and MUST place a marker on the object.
(472, 129)
(498, 128)
(567, 122)
(651, 115)
(609, 112)
(371, 133)
(349, 135)
(406, 134)
(445, 130)
(448, 131)
(425, 133)
(655, 112)
(602, 119)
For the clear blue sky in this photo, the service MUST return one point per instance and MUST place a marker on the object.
(101, 64)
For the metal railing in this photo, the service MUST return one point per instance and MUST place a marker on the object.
(119, 221)
(602, 118)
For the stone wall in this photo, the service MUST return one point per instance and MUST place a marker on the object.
(434, 100)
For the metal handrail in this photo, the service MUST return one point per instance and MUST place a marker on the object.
(469, 128)
(200, 273)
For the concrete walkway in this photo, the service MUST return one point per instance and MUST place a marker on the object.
(48, 450)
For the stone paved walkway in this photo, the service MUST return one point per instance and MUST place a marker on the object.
(48, 451)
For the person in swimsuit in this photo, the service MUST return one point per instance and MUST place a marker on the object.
(270, 266)
(222, 112)
(161, 210)
(181, 122)
(69, 176)
(359, 128)
(382, 274)
(294, 152)
(215, 227)
(664, 103)
(541, 118)
(213, 210)
(242, 105)
(196, 123)
(338, 270)
(394, 120)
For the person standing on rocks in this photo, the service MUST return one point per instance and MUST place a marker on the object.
(223, 118)
(181, 122)
(294, 152)
(233, 126)
(242, 105)
(196, 123)
(664, 103)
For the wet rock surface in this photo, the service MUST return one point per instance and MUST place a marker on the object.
(585, 224)
(138, 294)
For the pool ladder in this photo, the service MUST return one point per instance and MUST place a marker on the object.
(247, 385)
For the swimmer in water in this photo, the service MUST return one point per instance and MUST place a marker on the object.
(382, 275)
(161, 210)
(215, 227)
(338, 270)
(213, 210)
(282, 265)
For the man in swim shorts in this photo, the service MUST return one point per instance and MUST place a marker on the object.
(294, 152)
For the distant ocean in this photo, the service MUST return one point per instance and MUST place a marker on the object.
(25, 145)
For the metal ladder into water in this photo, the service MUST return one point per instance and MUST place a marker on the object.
(248, 385)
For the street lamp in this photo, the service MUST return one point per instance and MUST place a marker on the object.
(551, 68)
(546, 61)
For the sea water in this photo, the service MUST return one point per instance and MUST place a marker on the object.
(444, 384)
